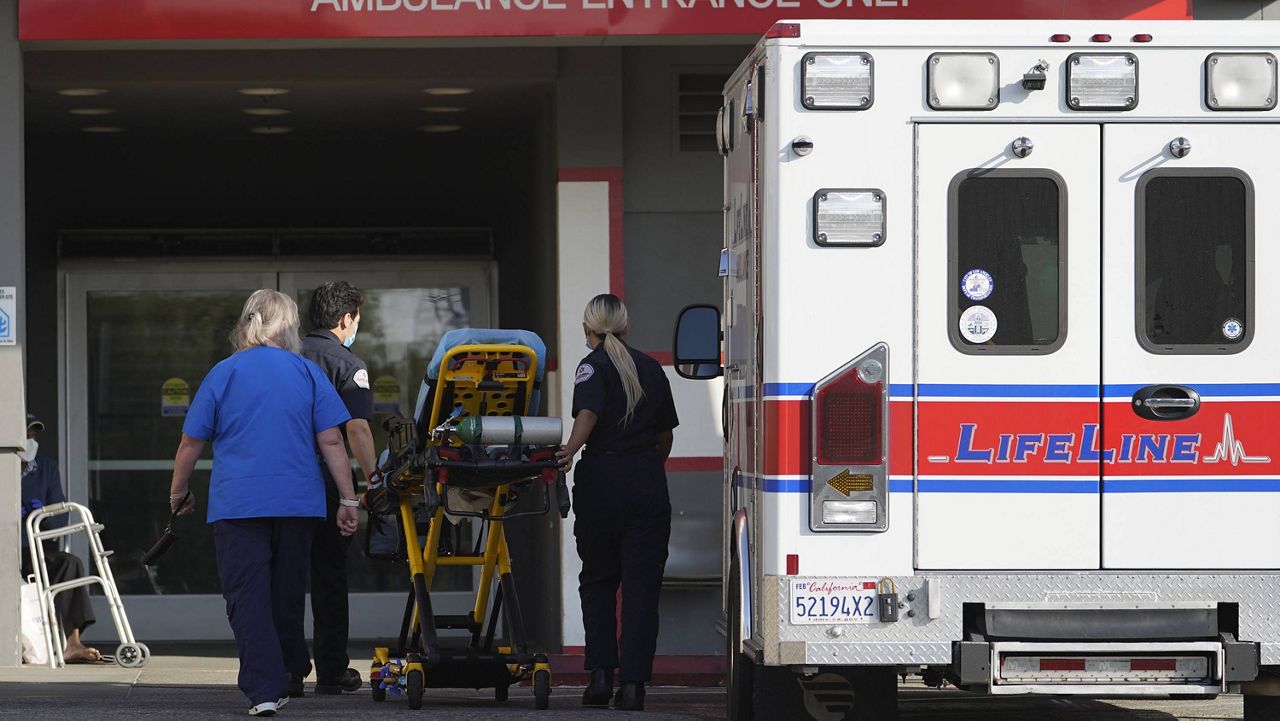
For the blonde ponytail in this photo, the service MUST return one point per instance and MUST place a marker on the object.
(606, 316)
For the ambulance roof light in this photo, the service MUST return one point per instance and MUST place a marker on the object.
(1060, 38)
(783, 30)
(1100, 38)
(1141, 38)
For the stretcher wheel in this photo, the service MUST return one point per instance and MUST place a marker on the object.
(541, 689)
(146, 652)
(379, 693)
(130, 655)
(500, 693)
(413, 685)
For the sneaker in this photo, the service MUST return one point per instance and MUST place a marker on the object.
(350, 681)
(293, 688)
(268, 708)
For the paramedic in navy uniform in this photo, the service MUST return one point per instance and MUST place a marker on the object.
(335, 315)
(624, 414)
(266, 409)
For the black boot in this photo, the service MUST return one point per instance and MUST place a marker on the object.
(350, 681)
(630, 696)
(600, 689)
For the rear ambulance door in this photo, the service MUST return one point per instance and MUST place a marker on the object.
(1191, 355)
(1007, 377)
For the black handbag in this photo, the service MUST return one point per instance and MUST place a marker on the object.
(166, 540)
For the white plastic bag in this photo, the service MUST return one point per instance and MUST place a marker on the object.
(35, 634)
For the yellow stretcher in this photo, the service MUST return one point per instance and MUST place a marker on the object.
(424, 460)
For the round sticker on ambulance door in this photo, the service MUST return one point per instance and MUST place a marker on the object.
(1232, 329)
(977, 285)
(977, 324)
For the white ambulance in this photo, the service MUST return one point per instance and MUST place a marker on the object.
(1002, 400)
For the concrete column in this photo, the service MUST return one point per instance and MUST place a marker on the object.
(588, 117)
(12, 272)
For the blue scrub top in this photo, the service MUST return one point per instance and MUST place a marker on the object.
(262, 408)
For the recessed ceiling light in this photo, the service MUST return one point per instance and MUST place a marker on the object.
(265, 111)
(271, 130)
(82, 92)
(263, 92)
(439, 128)
(449, 91)
(442, 109)
(102, 129)
(91, 111)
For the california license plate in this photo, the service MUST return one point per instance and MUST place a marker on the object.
(829, 601)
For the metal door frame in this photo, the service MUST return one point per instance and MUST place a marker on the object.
(373, 615)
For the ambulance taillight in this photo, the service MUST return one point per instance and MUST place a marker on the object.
(849, 413)
(849, 490)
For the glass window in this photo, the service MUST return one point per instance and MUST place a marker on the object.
(1007, 262)
(1195, 261)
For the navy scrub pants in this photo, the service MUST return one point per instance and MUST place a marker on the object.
(263, 566)
(622, 524)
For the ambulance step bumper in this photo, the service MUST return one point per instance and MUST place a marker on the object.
(1109, 669)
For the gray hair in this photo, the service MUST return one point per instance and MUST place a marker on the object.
(606, 316)
(269, 318)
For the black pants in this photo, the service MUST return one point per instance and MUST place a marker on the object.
(262, 564)
(329, 608)
(622, 523)
(75, 612)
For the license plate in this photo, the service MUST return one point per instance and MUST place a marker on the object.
(829, 601)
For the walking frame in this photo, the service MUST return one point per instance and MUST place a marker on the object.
(130, 653)
(475, 380)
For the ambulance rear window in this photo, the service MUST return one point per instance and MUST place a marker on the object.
(1195, 260)
(1007, 260)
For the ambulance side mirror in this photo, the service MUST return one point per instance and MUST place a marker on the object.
(697, 343)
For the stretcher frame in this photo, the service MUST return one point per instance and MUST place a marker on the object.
(484, 380)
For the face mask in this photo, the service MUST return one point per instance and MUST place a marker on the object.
(587, 343)
(28, 454)
(351, 338)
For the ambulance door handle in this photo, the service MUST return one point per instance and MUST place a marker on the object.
(1166, 403)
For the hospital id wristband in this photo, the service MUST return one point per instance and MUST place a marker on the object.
(349, 502)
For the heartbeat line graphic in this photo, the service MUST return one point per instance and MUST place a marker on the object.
(1231, 449)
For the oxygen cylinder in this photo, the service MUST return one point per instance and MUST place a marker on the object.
(507, 430)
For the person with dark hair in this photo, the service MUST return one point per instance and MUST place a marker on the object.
(335, 317)
(624, 415)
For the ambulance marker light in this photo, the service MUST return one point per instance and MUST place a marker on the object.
(1153, 664)
(1060, 38)
(1141, 38)
(783, 30)
(793, 564)
(1100, 38)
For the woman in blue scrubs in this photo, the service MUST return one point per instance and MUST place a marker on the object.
(267, 410)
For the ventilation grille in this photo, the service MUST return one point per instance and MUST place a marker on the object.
(700, 97)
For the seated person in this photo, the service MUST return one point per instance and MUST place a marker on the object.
(42, 486)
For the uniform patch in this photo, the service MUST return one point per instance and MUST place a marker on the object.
(361, 378)
(585, 371)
